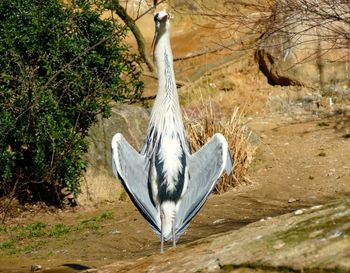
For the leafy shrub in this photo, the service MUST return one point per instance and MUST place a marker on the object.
(61, 65)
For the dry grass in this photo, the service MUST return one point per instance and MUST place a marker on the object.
(204, 121)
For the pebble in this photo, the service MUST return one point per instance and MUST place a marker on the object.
(316, 207)
(267, 218)
(312, 197)
(218, 221)
(35, 267)
(298, 212)
(335, 234)
(279, 245)
(331, 172)
(115, 232)
(292, 200)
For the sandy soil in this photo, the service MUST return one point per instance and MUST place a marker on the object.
(299, 163)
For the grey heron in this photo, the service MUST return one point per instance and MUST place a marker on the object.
(167, 183)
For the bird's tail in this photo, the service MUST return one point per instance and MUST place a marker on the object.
(168, 209)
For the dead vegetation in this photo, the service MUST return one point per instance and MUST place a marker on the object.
(204, 121)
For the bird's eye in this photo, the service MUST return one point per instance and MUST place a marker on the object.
(156, 17)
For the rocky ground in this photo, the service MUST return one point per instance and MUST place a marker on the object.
(308, 240)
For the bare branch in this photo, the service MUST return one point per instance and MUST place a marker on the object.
(131, 24)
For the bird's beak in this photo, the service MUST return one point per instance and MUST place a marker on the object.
(153, 42)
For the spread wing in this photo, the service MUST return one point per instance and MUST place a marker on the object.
(205, 168)
(132, 169)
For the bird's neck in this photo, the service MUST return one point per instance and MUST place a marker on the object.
(166, 109)
(166, 117)
(165, 68)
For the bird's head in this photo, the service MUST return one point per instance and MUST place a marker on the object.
(161, 20)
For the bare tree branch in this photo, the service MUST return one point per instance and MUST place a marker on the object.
(328, 20)
(131, 24)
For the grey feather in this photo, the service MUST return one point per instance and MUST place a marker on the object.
(229, 163)
(132, 168)
(205, 168)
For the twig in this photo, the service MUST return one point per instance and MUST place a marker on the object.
(205, 51)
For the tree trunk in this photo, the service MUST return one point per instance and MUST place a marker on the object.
(130, 23)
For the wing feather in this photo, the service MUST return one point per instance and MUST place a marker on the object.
(205, 168)
(132, 169)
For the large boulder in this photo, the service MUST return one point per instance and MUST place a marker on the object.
(293, 53)
(99, 183)
(315, 239)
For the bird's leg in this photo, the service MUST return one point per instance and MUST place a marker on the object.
(161, 232)
(173, 228)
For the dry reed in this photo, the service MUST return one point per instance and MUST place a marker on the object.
(202, 125)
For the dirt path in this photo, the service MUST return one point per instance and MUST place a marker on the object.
(298, 165)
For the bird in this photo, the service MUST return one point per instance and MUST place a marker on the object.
(165, 181)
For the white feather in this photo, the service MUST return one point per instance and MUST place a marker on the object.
(170, 153)
(169, 211)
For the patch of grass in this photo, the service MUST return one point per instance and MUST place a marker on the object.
(13, 247)
(59, 230)
(106, 215)
(93, 222)
(28, 249)
(35, 226)
(7, 245)
(21, 238)
(90, 225)
(34, 236)
(33, 230)
(3, 229)
(35, 246)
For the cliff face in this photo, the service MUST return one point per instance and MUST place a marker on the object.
(302, 53)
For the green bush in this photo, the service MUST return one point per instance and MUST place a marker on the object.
(61, 65)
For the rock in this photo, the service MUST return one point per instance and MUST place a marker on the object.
(318, 240)
(297, 57)
(298, 212)
(36, 268)
(219, 221)
(99, 183)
